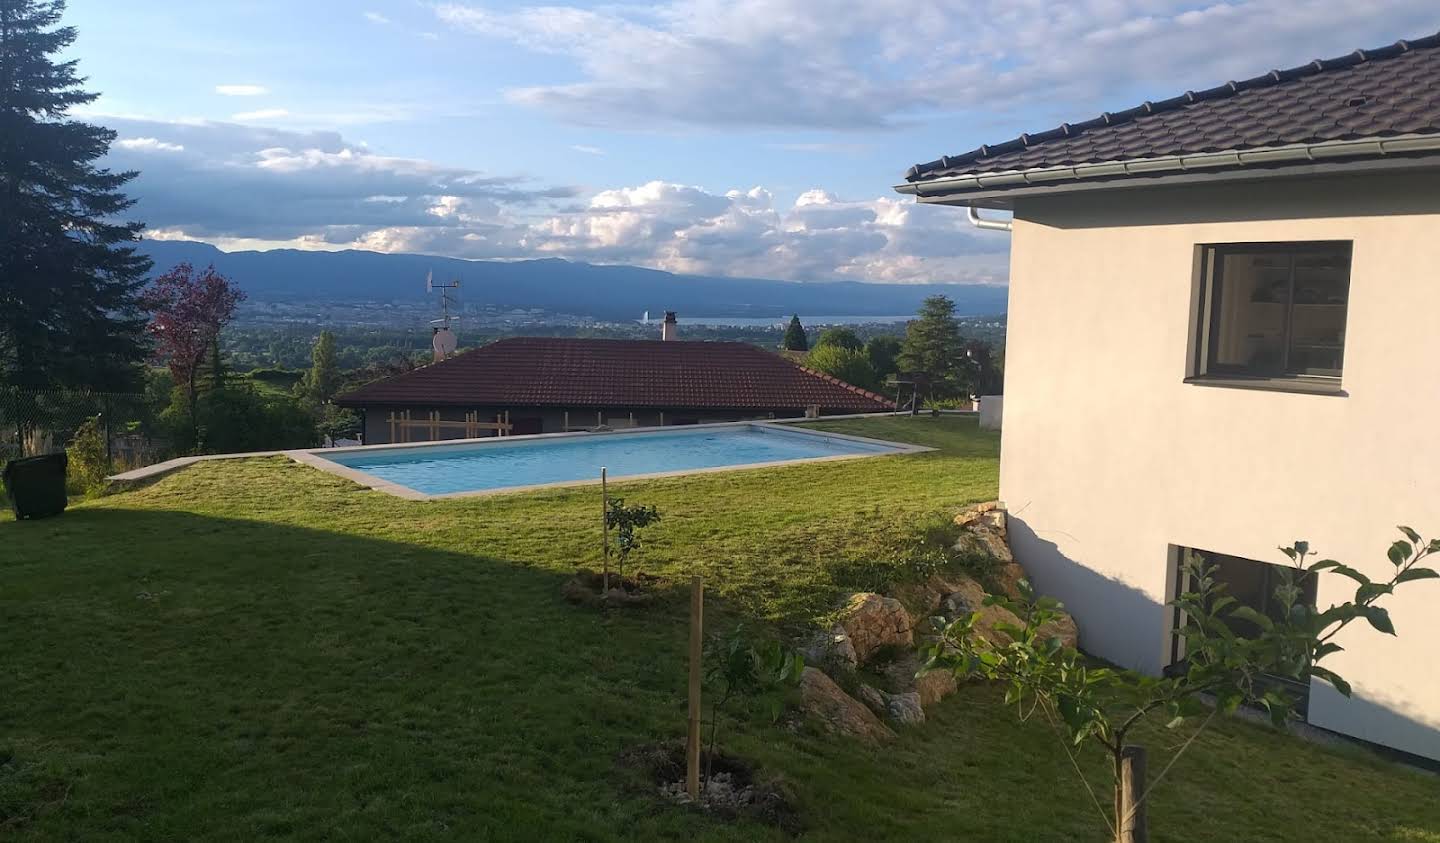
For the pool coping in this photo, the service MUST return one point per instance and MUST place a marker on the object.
(316, 459)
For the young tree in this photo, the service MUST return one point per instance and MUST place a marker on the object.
(70, 312)
(322, 380)
(883, 352)
(933, 346)
(848, 365)
(626, 521)
(840, 336)
(738, 664)
(1231, 653)
(795, 339)
(188, 312)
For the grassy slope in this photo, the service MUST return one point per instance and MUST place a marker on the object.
(255, 648)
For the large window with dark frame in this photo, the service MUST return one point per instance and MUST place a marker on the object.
(1274, 311)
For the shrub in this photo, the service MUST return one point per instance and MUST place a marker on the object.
(237, 418)
(847, 364)
(839, 336)
(87, 461)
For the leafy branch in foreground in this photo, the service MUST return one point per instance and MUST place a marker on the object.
(739, 665)
(1233, 654)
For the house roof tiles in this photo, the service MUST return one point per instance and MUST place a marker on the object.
(1384, 92)
(618, 374)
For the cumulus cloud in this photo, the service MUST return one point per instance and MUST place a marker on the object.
(242, 186)
(149, 145)
(228, 181)
(798, 63)
(241, 90)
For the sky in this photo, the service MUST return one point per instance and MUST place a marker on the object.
(748, 138)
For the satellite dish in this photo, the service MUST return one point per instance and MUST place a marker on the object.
(444, 343)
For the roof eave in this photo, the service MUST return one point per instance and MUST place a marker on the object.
(996, 189)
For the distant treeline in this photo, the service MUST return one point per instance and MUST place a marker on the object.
(289, 347)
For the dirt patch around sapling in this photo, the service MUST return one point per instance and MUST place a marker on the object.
(587, 588)
(734, 790)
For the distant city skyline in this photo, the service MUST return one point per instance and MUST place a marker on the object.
(756, 138)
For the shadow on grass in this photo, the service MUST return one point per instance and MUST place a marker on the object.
(178, 676)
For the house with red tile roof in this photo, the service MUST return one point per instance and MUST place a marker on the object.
(527, 385)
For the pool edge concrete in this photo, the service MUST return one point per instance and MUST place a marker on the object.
(317, 459)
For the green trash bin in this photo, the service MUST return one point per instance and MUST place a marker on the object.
(36, 485)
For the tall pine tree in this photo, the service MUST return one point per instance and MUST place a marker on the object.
(322, 380)
(795, 339)
(70, 313)
(934, 348)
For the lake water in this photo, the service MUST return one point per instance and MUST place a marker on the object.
(807, 321)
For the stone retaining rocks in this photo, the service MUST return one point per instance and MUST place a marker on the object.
(873, 622)
(837, 711)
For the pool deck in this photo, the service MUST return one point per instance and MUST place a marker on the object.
(315, 458)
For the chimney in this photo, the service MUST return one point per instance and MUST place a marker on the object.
(669, 329)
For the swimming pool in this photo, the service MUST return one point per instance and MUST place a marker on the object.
(473, 467)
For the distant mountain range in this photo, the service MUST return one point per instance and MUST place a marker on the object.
(604, 292)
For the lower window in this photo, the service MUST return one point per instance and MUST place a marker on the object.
(1251, 583)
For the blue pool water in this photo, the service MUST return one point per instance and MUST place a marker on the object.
(447, 469)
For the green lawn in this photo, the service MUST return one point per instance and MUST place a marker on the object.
(257, 649)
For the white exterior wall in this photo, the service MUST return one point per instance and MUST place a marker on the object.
(1109, 459)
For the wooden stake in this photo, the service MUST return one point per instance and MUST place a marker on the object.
(604, 533)
(1131, 820)
(692, 744)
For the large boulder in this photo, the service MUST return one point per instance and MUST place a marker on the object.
(873, 622)
(903, 674)
(903, 708)
(1063, 628)
(1007, 579)
(935, 686)
(971, 598)
(990, 514)
(986, 533)
(837, 711)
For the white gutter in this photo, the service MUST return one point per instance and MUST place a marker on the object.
(989, 225)
(1361, 147)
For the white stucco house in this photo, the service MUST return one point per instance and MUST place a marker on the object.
(1250, 278)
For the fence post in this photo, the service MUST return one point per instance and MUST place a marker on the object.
(697, 638)
(109, 449)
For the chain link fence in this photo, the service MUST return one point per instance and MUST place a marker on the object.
(115, 431)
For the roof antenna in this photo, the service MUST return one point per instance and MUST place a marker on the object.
(443, 339)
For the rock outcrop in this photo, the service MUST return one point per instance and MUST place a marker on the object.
(873, 622)
(986, 533)
(837, 711)
(873, 625)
